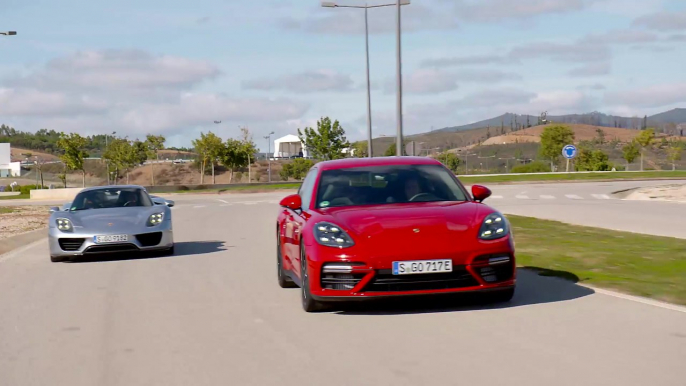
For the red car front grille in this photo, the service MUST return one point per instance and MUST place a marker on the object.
(385, 281)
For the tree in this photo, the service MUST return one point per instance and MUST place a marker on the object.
(600, 139)
(124, 156)
(391, 151)
(248, 148)
(214, 147)
(359, 149)
(450, 160)
(297, 169)
(519, 154)
(74, 155)
(674, 154)
(155, 143)
(202, 148)
(592, 160)
(327, 142)
(644, 139)
(233, 157)
(630, 152)
(553, 139)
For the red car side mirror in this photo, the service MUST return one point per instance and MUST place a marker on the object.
(292, 202)
(480, 193)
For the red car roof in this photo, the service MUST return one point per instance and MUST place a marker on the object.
(347, 163)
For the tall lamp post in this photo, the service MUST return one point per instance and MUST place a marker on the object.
(333, 4)
(269, 158)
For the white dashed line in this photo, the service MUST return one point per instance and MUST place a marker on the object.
(497, 197)
(225, 202)
(199, 206)
(522, 197)
(573, 197)
(601, 196)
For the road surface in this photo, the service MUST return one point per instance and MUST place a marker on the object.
(214, 315)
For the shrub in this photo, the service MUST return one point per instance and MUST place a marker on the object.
(534, 167)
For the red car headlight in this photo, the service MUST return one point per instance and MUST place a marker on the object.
(331, 235)
(494, 227)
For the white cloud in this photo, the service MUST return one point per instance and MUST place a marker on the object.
(499, 10)
(591, 69)
(470, 60)
(133, 93)
(648, 97)
(663, 21)
(415, 17)
(113, 70)
(304, 82)
(434, 81)
(577, 52)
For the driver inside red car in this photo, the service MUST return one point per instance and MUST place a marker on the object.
(412, 187)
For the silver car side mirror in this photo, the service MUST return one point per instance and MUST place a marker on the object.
(54, 209)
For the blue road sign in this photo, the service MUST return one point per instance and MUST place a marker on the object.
(569, 151)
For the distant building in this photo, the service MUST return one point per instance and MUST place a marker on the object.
(290, 146)
(7, 167)
(681, 129)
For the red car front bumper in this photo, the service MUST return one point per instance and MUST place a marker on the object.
(336, 274)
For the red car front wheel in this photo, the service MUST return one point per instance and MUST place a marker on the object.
(308, 303)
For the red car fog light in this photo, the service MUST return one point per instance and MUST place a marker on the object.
(342, 276)
(494, 268)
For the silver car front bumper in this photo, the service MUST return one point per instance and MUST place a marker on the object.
(65, 244)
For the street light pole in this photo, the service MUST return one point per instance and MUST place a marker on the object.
(399, 87)
(333, 4)
(269, 150)
(369, 86)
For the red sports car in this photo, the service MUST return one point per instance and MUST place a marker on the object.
(384, 227)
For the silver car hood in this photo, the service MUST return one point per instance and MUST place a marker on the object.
(113, 220)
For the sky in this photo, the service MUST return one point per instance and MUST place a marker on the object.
(174, 67)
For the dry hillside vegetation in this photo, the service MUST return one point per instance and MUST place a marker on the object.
(581, 133)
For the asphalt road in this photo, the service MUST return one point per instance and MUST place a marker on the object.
(214, 315)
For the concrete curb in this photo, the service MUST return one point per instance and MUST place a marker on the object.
(11, 243)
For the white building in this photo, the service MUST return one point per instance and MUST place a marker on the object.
(290, 146)
(7, 167)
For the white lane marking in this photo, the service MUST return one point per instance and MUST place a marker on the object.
(494, 197)
(573, 197)
(547, 197)
(601, 196)
(637, 299)
(199, 206)
(225, 202)
(522, 197)
(18, 251)
(250, 203)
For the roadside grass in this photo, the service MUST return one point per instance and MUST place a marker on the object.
(575, 177)
(642, 265)
(17, 197)
(6, 210)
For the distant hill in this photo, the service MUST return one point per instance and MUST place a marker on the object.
(517, 121)
(672, 116)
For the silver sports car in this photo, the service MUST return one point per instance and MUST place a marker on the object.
(111, 219)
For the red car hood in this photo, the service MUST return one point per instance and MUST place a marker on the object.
(395, 232)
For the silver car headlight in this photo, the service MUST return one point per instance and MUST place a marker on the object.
(155, 219)
(332, 235)
(494, 226)
(64, 225)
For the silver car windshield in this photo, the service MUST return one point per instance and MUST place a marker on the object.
(111, 198)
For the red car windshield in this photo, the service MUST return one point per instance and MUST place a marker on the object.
(376, 185)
